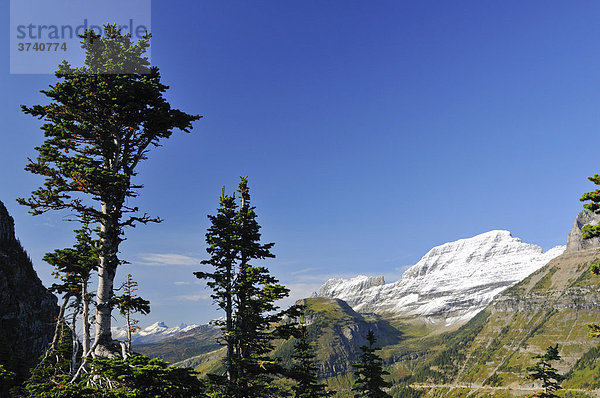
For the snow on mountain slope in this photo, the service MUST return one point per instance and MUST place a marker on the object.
(452, 282)
(156, 332)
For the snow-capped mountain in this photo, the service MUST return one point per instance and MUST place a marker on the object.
(451, 283)
(156, 332)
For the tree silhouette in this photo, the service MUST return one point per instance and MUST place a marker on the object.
(369, 372)
(102, 121)
(548, 375)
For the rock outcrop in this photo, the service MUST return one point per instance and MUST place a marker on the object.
(339, 332)
(27, 309)
(575, 241)
(451, 283)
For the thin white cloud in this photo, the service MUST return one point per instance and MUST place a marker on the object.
(162, 259)
(182, 283)
(193, 297)
(305, 270)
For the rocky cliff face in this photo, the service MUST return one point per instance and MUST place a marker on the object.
(575, 241)
(27, 309)
(7, 225)
(451, 283)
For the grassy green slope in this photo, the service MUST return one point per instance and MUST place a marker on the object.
(198, 341)
(551, 306)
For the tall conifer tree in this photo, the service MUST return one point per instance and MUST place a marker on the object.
(543, 371)
(247, 293)
(304, 370)
(221, 239)
(369, 372)
(129, 303)
(102, 120)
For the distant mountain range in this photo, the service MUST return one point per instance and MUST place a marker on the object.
(156, 332)
(450, 284)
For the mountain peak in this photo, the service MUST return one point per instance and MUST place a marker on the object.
(7, 224)
(575, 241)
(335, 287)
(451, 282)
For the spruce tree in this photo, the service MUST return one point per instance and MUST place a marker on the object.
(369, 372)
(304, 370)
(129, 303)
(247, 293)
(256, 293)
(99, 125)
(546, 373)
(221, 239)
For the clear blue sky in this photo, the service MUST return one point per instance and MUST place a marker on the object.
(370, 131)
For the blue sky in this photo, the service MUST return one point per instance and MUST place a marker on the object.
(370, 132)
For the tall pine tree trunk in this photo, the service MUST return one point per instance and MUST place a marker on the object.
(85, 313)
(107, 268)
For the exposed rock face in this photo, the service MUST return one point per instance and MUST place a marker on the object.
(335, 287)
(27, 309)
(575, 241)
(7, 225)
(451, 283)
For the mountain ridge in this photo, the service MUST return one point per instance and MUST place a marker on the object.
(152, 334)
(450, 283)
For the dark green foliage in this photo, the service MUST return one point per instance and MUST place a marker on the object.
(7, 380)
(369, 372)
(304, 370)
(546, 373)
(73, 266)
(247, 293)
(494, 380)
(54, 369)
(222, 238)
(592, 231)
(138, 376)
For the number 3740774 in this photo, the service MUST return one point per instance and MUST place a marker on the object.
(41, 46)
